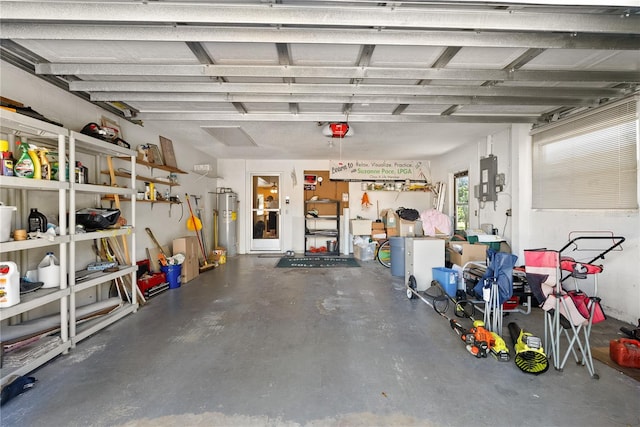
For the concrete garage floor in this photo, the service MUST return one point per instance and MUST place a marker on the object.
(248, 344)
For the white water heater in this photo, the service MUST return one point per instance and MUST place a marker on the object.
(228, 222)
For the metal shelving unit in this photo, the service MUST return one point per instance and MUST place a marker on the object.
(27, 129)
(80, 143)
(325, 227)
(69, 330)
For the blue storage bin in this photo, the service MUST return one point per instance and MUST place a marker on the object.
(448, 278)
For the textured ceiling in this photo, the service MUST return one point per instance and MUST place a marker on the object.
(414, 79)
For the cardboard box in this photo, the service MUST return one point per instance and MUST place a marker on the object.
(377, 230)
(377, 226)
(378, 234)
(188, 246)
(360, 227)
(407, 228)
(391, 222)
(461, 253)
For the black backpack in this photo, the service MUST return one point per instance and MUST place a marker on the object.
(408, 214)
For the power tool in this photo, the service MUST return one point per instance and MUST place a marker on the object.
(530, 357)
(499, 348)
(476, 338)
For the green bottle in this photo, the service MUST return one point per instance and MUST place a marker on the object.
(24, 167)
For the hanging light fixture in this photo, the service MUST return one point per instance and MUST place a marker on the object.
(337, 130)
(274, 188)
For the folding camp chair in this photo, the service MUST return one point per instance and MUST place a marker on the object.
(562, 317)
(496, 287)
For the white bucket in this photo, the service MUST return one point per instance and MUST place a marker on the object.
(49, 271)
(6, 218)
(9, 284)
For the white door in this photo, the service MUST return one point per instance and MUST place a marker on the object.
(265, 212)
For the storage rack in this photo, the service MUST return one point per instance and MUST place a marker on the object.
(44, 134)
(80, 143)
(326, 226)
(65, 336)
(142, 178)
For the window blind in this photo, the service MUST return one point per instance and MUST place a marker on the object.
(588, 162)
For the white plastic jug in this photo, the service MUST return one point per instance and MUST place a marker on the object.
(6, 218)
(49, 271)
(9, 284)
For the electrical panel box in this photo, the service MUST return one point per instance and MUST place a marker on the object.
(488, 173)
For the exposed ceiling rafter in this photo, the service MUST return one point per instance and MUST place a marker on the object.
(350, 16)
(338, 36)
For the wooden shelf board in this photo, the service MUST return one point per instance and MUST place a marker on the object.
(157, 166)
(141, 178)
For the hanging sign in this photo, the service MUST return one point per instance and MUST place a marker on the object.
(374, 170)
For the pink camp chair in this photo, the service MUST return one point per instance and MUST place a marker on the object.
(562, 317)
(569, 313)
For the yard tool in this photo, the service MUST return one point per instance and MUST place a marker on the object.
(530, 357)
(478, 339)
(162, 257)
(440, 304)
(123, 252)
(199, 215)
(116, 198)
(205, 265)
(193, 222)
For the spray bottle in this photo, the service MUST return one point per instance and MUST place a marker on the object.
(45, 167)
(24, 167)
(37, 168)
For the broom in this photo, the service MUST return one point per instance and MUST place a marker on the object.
(194, 222)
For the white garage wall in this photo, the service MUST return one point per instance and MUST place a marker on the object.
(74, 113)
(619, 285)
(236, 173)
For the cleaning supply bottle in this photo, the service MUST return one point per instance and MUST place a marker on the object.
(24, 167)
(49, 271)
(37, 221)
(45, 167)
(9, 284)
(37, 168)
(6, 158)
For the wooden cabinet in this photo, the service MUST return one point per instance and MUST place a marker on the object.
(188, 246)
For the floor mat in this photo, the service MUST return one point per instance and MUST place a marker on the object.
(602, 354)
(316, 262)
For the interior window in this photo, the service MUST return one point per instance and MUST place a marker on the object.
(461, 201)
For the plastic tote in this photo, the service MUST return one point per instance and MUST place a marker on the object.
(173, 275)
(448, 278)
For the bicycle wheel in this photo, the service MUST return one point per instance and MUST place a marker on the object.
(383, 254)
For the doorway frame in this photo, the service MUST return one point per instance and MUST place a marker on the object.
(263, 245)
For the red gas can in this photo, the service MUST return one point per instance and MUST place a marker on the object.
(625, 352)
